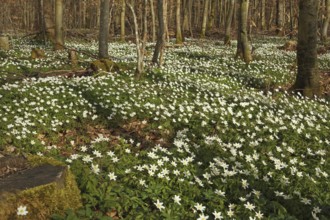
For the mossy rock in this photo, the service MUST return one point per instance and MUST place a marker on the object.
(37, 53)
(105, 65)
(45, 187)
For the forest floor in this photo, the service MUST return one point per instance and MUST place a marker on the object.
(203, 136)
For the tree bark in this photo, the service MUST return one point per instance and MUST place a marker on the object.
(48, 20)
(104, 29)
(243, 47)
(59, 37)
(324, 33)
(308, 79)
(263, 15)
(228, 22)
(279, 17)
(122, 20)
(179, 39)
(153, 20)
(160, 44)
(205, 14)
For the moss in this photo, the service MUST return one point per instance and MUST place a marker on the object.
(105, 65)
(45, 200)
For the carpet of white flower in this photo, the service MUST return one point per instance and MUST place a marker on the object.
(234, 149)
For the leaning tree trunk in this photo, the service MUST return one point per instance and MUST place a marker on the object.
(324, 33)
(179, 38)
(228, 22)
(59, 37)
(205, 14)
(308, 79)
(104, 29)
(243, 47)
(160, 44)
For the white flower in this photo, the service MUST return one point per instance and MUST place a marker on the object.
(259, 215)
(95, 169)
(112, 176)
(159, 205)
(203, 217)
(217, 215)
(249, 206)
(21, 210)
(230, 213)
(200, 207)
(177, 199)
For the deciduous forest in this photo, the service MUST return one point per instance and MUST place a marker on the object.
(164, 109)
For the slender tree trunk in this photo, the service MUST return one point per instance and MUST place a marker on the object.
(59, 37)
(104, 29)
(280, 17)
(153, 20)
(243, 47)
(205, 14)
(228, 22)
(140, 45)
(308, 79)
(263, 15)
(160, 44)
(324, 33)
(122, 20)
(49, 21)
(179, 39)
(165, 17)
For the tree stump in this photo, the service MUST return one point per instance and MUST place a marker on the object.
(73, 58)
(37, 53)
(4, 43)
(43, 186)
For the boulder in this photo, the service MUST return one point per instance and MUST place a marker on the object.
(42, 185)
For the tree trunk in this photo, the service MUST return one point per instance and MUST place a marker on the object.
(228, 22)
(279, 17)
(59, 37)
(179, 38)
(140, 45)
(104, 29)
(160, 44)
(48, 20)
(263, 15)
(324, 33)
(122, 20)
(308, 79)
(243, 47)
(205, 14)
(153, 20)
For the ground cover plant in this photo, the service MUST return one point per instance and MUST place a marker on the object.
(203, 137)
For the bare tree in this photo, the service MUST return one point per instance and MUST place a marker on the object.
(160, 44)
(104, 29)
(59, 37)
(205, 14)
(122, 20)
(179, 38)
(140, 44)
(324, 33)
(308, 79)
(228, 22)
(243, 47)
